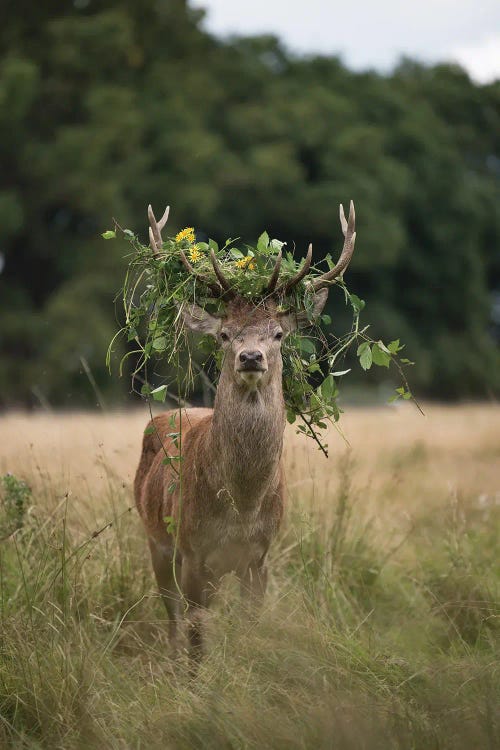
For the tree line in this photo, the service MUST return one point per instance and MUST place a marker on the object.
(106, 106)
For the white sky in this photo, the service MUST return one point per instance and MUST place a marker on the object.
(372, 34)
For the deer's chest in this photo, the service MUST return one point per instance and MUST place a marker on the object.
(232, 540)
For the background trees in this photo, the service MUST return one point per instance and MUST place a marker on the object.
(107, 106)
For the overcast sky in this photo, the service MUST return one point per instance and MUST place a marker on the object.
(372, 34)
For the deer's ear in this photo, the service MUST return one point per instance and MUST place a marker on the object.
(293, 320)
(198, 319)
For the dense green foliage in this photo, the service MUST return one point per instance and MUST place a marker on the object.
(108, 105)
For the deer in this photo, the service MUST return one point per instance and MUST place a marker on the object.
(228, 504)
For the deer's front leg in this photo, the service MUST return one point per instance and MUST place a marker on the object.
(195, 587)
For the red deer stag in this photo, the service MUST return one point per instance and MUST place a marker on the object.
(231, 503)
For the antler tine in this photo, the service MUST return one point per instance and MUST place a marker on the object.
(214, 288)
(275, 274)
(218, 272)
(288, 286)
(348, 230)
(155, 228)
(164, 218)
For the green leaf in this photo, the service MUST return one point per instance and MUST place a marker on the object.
(306, 345)
(379, 356)
(109, 234)
(394, 346)
(263, 242)
(160, 393)
(277, 244)
(213, 246)
(170, 524)
(235, 253)
(149, 430)
(326, 319)
(174, 436)
(160, 344)
(365, 355)
(169, 460)
(383, 347)
(290, 416)
(328, 388)
(357, 303)
(338, 373)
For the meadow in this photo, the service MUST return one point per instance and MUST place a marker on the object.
(380, 627)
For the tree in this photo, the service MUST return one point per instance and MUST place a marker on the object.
(106, 106)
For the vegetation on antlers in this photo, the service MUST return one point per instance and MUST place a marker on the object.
(174, 273)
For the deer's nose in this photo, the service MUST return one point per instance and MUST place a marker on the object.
(250, 357)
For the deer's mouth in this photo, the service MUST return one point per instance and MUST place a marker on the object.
(251, 376)
(251, 367)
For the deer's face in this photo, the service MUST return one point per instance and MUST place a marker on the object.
(251, 348)
(250, 337)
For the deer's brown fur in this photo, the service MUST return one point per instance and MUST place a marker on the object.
(226, 495)
(228, 500)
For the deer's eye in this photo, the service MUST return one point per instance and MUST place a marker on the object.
(278, 335)
(224, 336)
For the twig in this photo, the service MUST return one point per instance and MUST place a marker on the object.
(313, 434)
(204, 377)
(180, 401)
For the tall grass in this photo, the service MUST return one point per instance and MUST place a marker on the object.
(380, 628)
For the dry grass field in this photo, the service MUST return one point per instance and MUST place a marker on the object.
(381, 624)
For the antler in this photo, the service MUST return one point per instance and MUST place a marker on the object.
(216, 289)
(288, 285)
(218, 272)
(275, 274)
(222, 289)
(348, 229)
(155, 228)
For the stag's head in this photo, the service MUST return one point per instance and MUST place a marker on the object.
(250, 332)
(249, 336)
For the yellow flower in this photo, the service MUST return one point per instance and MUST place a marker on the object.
(246, 262)
(194, 254)
(185, 234)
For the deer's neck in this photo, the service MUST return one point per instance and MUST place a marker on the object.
(246, 438)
